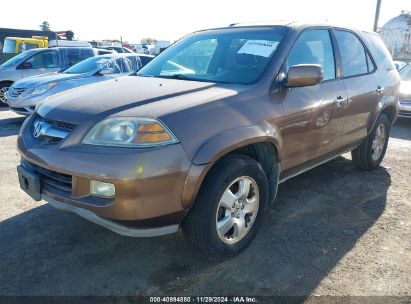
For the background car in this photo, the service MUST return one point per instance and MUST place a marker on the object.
(37, 62)
(405, 92)
(399, 65)
(118, 49)
(26, 94)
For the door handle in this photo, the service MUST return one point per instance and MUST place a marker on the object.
(340, 101)
(380, 90)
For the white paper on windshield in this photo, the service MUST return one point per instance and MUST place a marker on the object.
(262, 48)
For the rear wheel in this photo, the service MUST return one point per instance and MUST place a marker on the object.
(4, 89)
(371, 152)
(229, 208)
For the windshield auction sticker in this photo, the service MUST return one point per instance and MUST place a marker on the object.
(262, 48)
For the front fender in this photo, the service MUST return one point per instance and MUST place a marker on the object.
(233, 139)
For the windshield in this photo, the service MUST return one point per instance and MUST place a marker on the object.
(15, 60)
(221, 56)
(88, 65)
(405, 73)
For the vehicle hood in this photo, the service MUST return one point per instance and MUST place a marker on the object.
(132, 96)
(35, 81)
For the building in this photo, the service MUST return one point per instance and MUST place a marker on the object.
(396, 34)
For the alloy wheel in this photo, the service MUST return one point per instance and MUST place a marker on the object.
(237, 210)
(378, 143)
(3, 94)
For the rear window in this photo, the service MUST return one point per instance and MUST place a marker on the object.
(353, 55)
(72, 56)
(379, 51)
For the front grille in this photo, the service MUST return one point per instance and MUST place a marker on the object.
(64, 125)
(16, 92)
(57, 131)
(51, 178)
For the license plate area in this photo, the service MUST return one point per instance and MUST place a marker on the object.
(29, 182)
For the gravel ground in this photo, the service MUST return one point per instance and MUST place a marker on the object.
(334, 231)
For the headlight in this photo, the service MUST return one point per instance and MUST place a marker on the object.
(130, 132)
(40, 89)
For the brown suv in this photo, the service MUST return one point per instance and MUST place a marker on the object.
(205, 133)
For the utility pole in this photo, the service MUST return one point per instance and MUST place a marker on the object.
(377, 15)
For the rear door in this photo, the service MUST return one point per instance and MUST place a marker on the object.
(363, 89)
(313, 122)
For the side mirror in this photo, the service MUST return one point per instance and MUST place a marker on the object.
(25, 65)
(302, 75)
(107, 71)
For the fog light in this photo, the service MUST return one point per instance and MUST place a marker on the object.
(102, 189)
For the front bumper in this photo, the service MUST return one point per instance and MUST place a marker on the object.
(111, 225)
(405, 107)
(24, 106)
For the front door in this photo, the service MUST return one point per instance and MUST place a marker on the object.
(313, 122)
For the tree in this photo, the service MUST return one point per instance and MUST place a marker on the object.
(45, 26)
(149, 40)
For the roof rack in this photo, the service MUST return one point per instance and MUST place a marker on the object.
(262, 23)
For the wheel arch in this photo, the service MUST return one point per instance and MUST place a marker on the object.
(391, 109)
(261, 142)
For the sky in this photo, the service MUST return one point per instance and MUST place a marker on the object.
(172, 19)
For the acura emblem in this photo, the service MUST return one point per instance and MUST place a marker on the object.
(38, 128)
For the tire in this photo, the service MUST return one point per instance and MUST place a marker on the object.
(209, 209)
(4, 88)
(371, 152)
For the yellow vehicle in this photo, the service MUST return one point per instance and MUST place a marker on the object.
(15, 45)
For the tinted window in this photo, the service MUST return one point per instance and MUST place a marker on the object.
(353, 55)
(225, 56)
(145, 60)
(314, 47)
(46, 60)
(379, 51)
(74, 55)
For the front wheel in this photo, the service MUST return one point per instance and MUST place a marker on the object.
(4, 89)
(229, 208)
(371, 152)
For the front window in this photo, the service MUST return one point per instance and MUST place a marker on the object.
(221, 56)
(314, 47)
(43, 60)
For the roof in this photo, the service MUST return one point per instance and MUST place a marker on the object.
(297, 25)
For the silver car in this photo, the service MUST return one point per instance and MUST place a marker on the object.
(405, 91)
(37, 62)
(26, 94)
